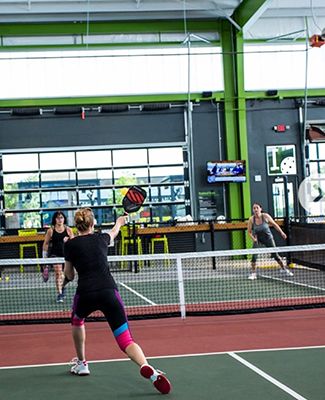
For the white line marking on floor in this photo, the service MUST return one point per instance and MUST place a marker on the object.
(269, 378)
(137, 294)
(216, 353)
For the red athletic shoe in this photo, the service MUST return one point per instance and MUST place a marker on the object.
(160, 382)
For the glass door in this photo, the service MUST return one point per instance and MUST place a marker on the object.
(284, 197)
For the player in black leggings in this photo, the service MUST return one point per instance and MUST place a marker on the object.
(260, 232)
(97, 290)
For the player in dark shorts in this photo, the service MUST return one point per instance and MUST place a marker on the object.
(97, 290)
(259, 230)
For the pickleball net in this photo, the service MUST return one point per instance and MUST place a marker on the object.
(181, 284)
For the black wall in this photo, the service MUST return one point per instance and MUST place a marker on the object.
(262, 116)
(131, 127)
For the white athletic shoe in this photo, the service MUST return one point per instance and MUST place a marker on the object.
(252, 276)
(79, 367)
(286, 271)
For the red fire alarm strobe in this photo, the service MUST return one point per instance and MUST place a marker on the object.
(317, 41)
(281, 127)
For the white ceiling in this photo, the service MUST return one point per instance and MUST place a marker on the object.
(291, 18)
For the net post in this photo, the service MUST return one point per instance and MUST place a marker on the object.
(287, 216)
(132, 234)
(211, 225)
(289, 241)
(181, 287)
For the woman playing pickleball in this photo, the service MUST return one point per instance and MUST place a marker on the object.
(97, 290)
(260, 232)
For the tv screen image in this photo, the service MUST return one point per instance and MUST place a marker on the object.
(226, 171)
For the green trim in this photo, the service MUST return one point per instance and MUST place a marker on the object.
(93, 46)
(283, 94)
(273, 41)
(195, 97)
(100, 28)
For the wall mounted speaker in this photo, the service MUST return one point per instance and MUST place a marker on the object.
(206, 94)
(271, 93)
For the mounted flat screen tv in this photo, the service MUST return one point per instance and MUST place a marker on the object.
(226, 171)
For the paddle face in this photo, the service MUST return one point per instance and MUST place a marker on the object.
(133, 199)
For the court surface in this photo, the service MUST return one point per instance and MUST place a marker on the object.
(267, 375)
(277, 355)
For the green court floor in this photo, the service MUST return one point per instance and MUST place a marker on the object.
(256, 375)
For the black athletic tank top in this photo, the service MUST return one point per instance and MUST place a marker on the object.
(57, 243)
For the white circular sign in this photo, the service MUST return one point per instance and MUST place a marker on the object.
(288, 166)
(311, 194)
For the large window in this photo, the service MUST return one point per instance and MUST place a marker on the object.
(283, 67)
(111, 72)
(37, 184)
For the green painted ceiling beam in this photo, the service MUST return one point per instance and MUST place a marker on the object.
(94, 46)
(128, 27)
(286, 94)
(195, 97)
(248, 12)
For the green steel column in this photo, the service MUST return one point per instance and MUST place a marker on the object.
(235, 124)
(242, 122)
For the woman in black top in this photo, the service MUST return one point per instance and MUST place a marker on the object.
(97, 290)
(53, 244)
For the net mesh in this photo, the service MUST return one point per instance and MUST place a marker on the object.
(175, 284)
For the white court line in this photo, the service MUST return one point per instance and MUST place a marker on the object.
(137, 294)
(294, 283)
(269, 378)
(168, 356)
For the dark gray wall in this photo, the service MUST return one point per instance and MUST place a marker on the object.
(208, 128)
(132, 127)
(206, 132)
(262, 116)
